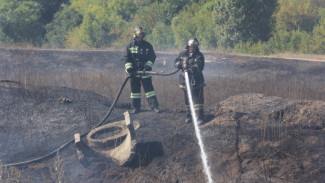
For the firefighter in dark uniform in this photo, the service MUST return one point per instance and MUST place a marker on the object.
(192, 60)
(140, 56)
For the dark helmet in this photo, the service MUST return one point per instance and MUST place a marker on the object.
(193, 42)
(139, 31)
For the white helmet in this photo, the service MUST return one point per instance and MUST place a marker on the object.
(193, 42)
(138, 30)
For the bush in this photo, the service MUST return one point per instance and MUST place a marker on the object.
(64, 22)
(299, 41)
(161, 36)
(258, 48)
(20, 22)
(318, 37)
(279, 41)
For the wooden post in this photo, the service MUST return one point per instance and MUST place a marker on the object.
(129, 124)
(79, 148)
(77, 138)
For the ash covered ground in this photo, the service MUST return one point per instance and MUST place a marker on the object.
(248, 137)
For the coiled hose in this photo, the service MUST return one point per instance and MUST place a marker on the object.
(99, 124)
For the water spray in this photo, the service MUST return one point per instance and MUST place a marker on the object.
(197, 129)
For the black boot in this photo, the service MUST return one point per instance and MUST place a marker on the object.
(200, 116)
(153, 103)
(135, 110)
(188, 117)
(200, 122)
(156, 110)
(188, 120)
(135, 105)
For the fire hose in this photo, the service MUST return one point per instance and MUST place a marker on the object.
(61, 147)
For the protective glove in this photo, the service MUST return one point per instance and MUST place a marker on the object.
(129, 70)
(194, 68)
(189, 71)
(178, 65)
(147, 68)
(185, 66)
(185, 63)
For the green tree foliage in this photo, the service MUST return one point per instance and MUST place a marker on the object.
(184, 26)
(95, 27)
(125, 8)
(49, 8)
(146, 17)
(253, 26)
(180, 19)
(258, 48)
(64, 22)
(5, 39)
(318, 36)
(5, 6)
(206, 29)
(244, 20)
(299, 41)
(161, 36)
(196, 21)
(81, 6)
(296, 35)
(157, 12)
(156, 17)
(101, 25)
(170, 8)
(296, 15)
(20, 21)
(280, 40)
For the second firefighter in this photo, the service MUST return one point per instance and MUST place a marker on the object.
(191, 60)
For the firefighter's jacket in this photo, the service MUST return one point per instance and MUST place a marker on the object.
(195, 65)
(139, 54)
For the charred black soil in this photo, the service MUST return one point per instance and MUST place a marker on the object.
(248, 137)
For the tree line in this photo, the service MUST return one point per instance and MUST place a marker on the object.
(247, 26)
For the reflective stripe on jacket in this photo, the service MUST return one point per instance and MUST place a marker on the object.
(195, 65)
(139, 54)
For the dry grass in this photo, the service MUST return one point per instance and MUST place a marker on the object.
(169, 95)
(291, 56)
(108, 83)
(10, 174)
(222, 88)
(57, 171)
(299, 56)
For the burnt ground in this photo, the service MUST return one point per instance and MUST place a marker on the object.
(248, 137)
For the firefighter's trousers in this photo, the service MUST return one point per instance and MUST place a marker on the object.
(146, 82)
(198, 102)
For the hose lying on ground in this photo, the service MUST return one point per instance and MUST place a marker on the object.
(99, 124)
(156, 73)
